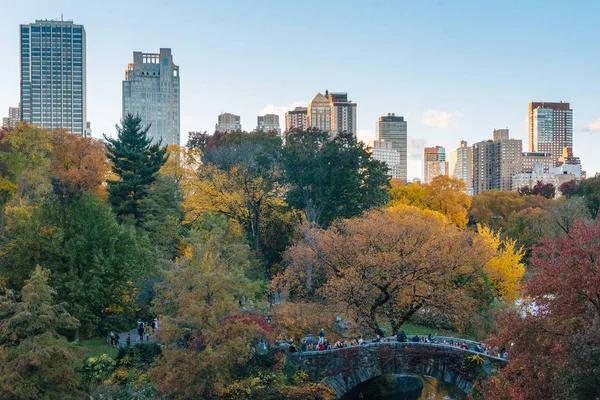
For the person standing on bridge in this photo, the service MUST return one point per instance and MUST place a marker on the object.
(322, 336)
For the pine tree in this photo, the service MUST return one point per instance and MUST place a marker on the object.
(35, 361)
(135, 161)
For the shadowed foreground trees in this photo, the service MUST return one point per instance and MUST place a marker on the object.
(35, 361)
(556, 351)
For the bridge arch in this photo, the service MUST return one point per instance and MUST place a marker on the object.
(343, 369)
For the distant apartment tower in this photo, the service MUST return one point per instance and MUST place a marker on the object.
(461, 165)
(384, 151)
(296, 119)
(343, 113)
(268, 123)
(434, 163)
(495, 162)
(228, 122)
(151, 90)
(14, 116)
(530, 159)
(393, 129)
(53, 75)
(319, 114)
(550, 127)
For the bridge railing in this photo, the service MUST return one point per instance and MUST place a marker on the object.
(439, 342)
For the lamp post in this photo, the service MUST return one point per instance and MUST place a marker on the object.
(494, 219)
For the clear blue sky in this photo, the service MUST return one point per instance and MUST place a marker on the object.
(455, 69)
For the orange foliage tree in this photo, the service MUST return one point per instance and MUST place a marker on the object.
(388, 265)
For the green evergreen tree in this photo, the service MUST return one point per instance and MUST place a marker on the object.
(35, 361)
(135, 161)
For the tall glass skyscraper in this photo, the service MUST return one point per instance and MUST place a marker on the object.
(53, 75)
(151, 90)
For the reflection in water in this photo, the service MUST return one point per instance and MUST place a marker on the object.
(435, 389)
(405, 387)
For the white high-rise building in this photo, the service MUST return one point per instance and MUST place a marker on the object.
(385, 152)
(53, 69)
(461, 165)
(393, 129)
(151, 90)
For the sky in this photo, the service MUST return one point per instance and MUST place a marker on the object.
(455, 70)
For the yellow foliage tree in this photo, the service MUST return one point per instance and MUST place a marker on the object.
(444, 194)
(504, 267)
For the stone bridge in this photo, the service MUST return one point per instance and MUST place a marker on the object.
(343, 369)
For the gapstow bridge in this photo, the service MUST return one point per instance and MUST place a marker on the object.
(345, 368)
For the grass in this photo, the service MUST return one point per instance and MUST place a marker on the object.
(97, 347)
(413, 329)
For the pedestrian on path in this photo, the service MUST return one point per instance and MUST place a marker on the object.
(140, 330)
(128, 340)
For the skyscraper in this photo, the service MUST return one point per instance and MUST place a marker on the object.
(14, 116)
(228, 122)
(550, 127)
(434, 163)
(296, 119)
(319, 114)
(495, 162)
(461, 165)
(343, 113)
(268, 123)
(393, 129)
(53, 88)
(384, 151)
(151, 90)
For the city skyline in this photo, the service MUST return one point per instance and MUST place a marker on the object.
(487, 80)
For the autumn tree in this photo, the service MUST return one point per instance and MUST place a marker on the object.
(545, 189)
(387, 264)
(204, 336)
(135, 163)
(503, 265)
(36, 362)
(330, 179)
(444, 194)
(554, 346)
(95, 263)
(494, 203)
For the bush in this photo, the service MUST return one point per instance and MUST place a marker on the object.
(124, 392)
(141, 356)
(96, 370)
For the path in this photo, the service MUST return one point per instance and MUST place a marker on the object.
(135, 338)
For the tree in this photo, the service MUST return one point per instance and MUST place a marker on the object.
(555, 344)
(35, 361)
(545, 189)
(444, 194)
(387, 264)
(494, 203)
(79, 165)
(589, 190)
(96, 264)
(503, 267)
(332, 179)
(135, 162)
(205, 338)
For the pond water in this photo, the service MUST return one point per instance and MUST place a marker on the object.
(405, 387)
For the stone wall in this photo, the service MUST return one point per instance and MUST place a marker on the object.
(343, 369)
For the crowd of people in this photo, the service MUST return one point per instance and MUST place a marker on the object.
(308, 344)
